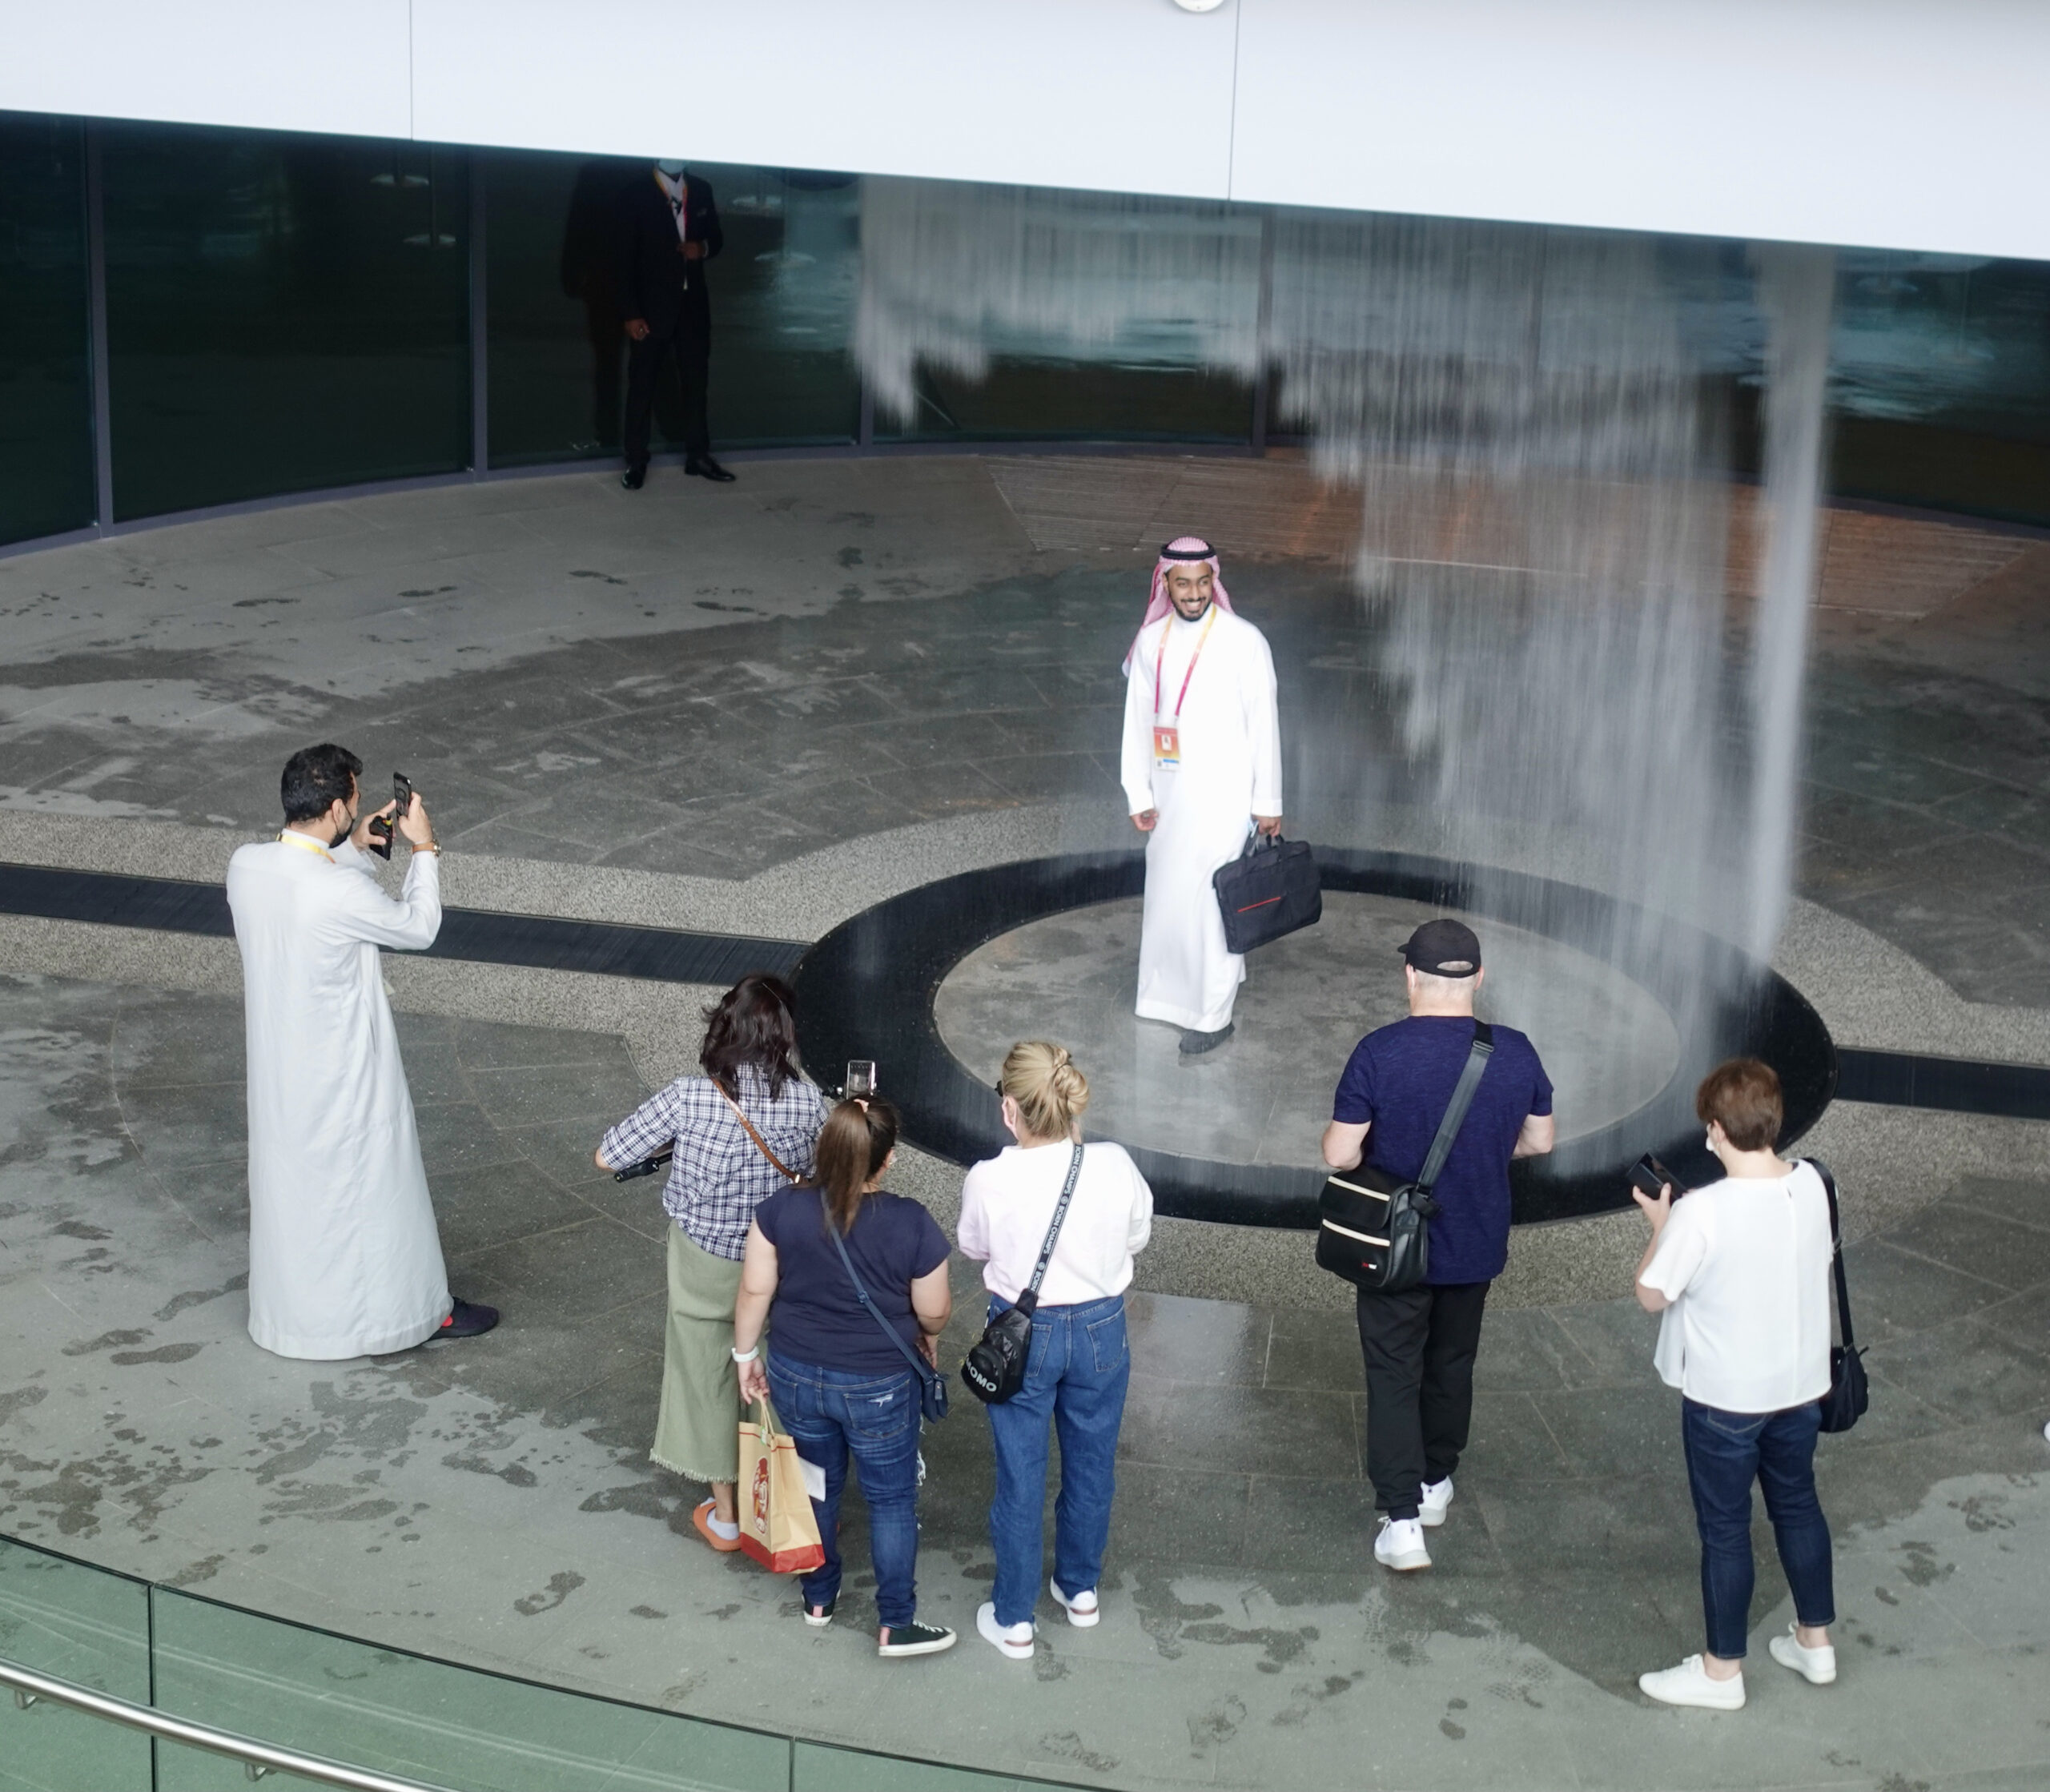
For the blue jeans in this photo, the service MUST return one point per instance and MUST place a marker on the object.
(830, 1413)
(1076, 1375)
(1727, 1452)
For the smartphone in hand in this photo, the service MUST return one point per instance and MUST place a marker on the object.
(1648, 1176)
(383, 830)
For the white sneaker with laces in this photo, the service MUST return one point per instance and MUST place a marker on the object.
(1081, 1607)
(1689, 1683)
(1399, 1545)
(1013, 1639)
(1817, 1666)
(1436, 1496)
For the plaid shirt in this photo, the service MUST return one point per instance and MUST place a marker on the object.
(718, 1176)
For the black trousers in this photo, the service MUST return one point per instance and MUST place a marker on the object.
(1419, 1348)
(689, 338)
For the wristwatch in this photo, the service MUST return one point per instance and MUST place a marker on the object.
(434, 846)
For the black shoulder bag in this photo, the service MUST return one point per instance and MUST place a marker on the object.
(932, 1384)
(1374, 1229)
(1848, 1396)
(995, 1366)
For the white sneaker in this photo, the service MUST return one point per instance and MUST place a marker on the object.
(1081, 1607)
(1689, 1683)
(1401, 1545)
(1817, 1666)
(1436, 1496)
(1015, 1640)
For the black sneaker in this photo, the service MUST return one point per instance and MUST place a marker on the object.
(914, 1639)
(634, 478)
(703, 466)
(467, 1321)
(1194, 1044)
(818, 1616)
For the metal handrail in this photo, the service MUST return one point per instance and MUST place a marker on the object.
(257, 1758)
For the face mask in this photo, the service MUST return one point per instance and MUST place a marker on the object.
(673, 170)
(348, 827)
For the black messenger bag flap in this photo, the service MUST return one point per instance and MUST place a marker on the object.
(1374, 1228)
(1271, 888)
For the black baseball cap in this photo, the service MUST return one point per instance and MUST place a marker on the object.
(1444, 949)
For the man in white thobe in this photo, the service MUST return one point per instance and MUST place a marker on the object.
(1201, 769)
(344, 1256)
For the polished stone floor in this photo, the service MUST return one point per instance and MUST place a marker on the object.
(491, 1500)
(1265, 1096)
(759, 709)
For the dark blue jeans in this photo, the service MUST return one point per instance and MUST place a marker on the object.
(1727, 1452)
(832, 1413)
(1075, 1377)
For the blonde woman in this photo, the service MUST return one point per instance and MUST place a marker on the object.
(1080, 1362)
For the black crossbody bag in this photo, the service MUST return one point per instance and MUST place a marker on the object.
(932, 1384)
(1848, 1396)
(1375, 1229)
(994, 1367)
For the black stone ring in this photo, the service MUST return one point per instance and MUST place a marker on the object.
(866, 990)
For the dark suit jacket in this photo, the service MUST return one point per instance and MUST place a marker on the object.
(655, 281)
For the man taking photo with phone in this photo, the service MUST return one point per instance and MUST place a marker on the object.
(344, 1256)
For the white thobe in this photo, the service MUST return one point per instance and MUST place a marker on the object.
(1230, 741)
(344, 1257)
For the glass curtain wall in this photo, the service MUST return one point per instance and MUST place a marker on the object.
(284, 313)
(782, 295)
(46, 359)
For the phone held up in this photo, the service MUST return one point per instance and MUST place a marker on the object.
(860, 1080)
(1648, 1176)
(382, 829)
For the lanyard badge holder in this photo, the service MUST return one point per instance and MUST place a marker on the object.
(1168, 736)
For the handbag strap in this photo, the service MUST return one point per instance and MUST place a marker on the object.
(1028, 1302)
(875, 1312)
(1836, 1249)
(1470, 1073)
(760, 1144)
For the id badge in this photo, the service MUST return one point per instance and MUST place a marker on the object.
(1167, 746)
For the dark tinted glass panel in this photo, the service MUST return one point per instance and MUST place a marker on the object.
(1081, 400)
(45, 371)
(283, 313)
(782, 299)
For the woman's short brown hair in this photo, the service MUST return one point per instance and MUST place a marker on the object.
(1741, 1095)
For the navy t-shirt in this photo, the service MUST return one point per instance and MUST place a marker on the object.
(1401, 1078)
(816, 1316)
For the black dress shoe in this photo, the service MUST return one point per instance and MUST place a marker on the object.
(634, 478)
(1194, 1044)
(468, 1321)
(703, 466)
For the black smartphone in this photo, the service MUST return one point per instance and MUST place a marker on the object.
(382, 830)
(1648, 1176)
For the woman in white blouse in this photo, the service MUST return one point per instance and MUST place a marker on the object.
(1079, 1362)
(1740, 1269)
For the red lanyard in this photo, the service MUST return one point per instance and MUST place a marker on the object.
(1159, 663)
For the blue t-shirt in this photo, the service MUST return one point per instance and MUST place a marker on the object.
(816, 1316)
(1401, 1078)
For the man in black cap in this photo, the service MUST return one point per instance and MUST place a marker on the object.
(1420, 1344)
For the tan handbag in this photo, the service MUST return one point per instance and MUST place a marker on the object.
(778, 1526)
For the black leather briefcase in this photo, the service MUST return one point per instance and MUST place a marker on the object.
(1270, 890)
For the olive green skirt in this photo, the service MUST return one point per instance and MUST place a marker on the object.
(698, 1432)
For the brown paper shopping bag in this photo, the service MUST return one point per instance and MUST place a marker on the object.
(777, 1527)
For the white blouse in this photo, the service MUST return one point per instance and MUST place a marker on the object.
(1008, 1202)
(1746, 1262)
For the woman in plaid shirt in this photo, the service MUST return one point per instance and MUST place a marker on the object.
(716, 1177)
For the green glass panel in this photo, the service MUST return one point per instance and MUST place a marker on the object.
(818, 1767)
(431, 1721)
(782, 296)
(81, 1624)
(46, 368)
(284, 313)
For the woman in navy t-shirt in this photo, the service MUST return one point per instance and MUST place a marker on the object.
(840, 1384)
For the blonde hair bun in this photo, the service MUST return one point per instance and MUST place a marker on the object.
(1051, 1092)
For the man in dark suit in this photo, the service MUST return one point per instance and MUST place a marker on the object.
(669, 229)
